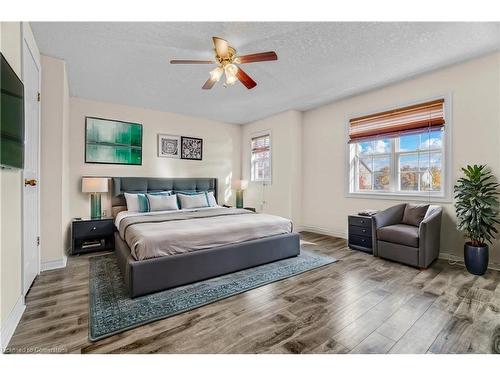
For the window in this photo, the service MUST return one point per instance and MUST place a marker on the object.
(261, 158)
(398, 157)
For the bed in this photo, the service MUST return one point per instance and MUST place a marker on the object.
(177, 248)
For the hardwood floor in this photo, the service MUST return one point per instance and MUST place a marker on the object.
(361, 304)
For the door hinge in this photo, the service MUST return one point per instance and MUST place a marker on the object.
(38, 96)
(38, 241)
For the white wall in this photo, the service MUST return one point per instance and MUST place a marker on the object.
(283, 196)
(221, 150)
(54, 161)
(66, 214)
(475, 121)
(11, 190)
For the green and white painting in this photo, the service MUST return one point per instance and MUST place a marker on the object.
(112, 142)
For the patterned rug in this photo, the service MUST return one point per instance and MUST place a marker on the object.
(113, 311)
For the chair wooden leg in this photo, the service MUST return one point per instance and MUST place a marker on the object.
(423, 268)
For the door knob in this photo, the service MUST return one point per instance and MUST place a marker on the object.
(31, 182)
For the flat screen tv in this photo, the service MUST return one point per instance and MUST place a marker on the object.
(11, 117)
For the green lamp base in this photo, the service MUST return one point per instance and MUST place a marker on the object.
(95, 205)
(239, 198)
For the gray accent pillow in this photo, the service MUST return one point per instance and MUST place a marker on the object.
(414, 214)
(162, 202)
(193, 200)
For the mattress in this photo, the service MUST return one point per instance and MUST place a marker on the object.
(152, 235)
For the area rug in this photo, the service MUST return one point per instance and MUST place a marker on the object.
(113, 311)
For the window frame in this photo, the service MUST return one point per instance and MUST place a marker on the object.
(444, 196)
(256, 135)
(373, 157)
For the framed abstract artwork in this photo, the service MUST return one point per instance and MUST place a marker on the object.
(112, 141)
(191, 148)
(169, 146)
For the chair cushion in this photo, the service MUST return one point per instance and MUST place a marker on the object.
(414, 214)
(402, 234)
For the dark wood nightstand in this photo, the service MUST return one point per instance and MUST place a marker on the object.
(360, 233)
(88, 235)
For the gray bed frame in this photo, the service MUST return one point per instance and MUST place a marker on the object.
(153, 275)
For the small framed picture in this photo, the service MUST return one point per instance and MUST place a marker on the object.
(191, 148)
(169, 146)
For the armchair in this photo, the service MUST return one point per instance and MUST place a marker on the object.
(399, 234)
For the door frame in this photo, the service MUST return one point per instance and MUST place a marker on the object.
(28, 40)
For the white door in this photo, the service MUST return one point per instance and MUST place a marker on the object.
(31, 256)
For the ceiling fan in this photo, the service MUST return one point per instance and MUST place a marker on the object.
(227, 61)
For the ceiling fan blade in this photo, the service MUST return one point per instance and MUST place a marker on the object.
(245, 79)
(192, 62)
(221, 47)
(209, 84)
(256, 57)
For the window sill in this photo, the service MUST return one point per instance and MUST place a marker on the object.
(401, 197)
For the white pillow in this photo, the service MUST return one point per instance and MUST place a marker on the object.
(133, 204)
(211, 199)
(162, 202)
(193, 200)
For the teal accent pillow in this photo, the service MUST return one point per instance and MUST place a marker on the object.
(143, 201)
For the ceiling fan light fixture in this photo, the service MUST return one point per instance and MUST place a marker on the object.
(231, 79)
(216, 74)
(227, 61)
(231, 70)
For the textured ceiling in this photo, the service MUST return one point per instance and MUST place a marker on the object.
(128, 63)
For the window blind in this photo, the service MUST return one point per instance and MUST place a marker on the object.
(261, 143)
(399, 121)
(261, 158)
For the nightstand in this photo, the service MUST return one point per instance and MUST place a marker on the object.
(88, 235)
(360, 233)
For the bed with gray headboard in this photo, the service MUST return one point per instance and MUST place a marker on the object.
(159, 273)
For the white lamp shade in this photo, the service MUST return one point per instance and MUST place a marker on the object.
(240, 184)
(94, 185)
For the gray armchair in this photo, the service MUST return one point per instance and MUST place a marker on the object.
(408, 234)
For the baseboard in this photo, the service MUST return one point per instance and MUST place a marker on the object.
(460, 261)
(54, 264)
(320, 230)
(11, 322)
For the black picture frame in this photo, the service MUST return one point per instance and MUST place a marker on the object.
(187, 151)
(87, 161)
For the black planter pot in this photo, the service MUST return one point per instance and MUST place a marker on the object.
(476, 258)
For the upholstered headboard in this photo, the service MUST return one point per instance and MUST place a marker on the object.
(154, 184)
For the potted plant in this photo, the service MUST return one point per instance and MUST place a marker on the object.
(476, 205)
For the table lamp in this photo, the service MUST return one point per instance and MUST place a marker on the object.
(239, 186)
(95, 186)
